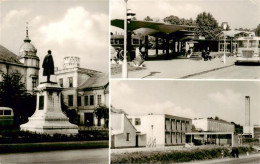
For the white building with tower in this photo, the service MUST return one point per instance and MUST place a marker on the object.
(26, 63)
(83, 90)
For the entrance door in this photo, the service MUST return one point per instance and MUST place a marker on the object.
(89, 121)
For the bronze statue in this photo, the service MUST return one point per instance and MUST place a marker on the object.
(48, 66)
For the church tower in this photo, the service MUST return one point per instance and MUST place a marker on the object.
(27, 56)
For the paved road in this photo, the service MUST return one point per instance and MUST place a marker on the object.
(67, 156)
(251, 159)
(242, 160)
(176, 68)
(233, 72)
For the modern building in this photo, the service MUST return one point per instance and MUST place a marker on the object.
(231, 42)
(123, 133)
(256, 132)
(212, 125)
(25, 64)
(162, 129)
(212, 131)
(83, 90)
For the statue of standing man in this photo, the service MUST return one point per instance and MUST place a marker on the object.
(48, 66)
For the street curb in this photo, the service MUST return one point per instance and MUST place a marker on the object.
(203, 72)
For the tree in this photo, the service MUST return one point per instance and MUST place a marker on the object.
(13, 94)
(70, 113)
(207, 26)
(102, 112)
(172, 20)
(216, 118)
(148, 19)
(242, 29)
(238, 128)
(134, 18)
(257, 30)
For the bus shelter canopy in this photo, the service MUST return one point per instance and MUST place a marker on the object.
(152, 28)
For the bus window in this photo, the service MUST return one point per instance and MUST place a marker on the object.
(242, 43)
(1, 112)
(259, 44)
(252, 43)
(7, 112)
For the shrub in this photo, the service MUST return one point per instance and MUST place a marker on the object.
(174, 156)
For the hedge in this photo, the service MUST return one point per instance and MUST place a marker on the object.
(29, 137)
(175, 156)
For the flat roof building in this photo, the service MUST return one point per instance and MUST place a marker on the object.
(212, 125)
(162, 129)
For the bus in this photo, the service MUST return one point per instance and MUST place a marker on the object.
(6, 117)
(248, 50)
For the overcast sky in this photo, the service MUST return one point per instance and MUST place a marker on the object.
(68, 28)
(192, 99)
(238, 13)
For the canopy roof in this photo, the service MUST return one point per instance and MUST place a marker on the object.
(151, 28)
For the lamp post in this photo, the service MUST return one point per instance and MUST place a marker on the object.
(224, 27)
(124, 65)
(152, 135)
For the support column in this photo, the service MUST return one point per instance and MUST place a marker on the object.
(167, 47)
(156, 46)
(232, 140)
(178, 44)
(129, 46)
(146, 46)
(231, 45)
(174, 47)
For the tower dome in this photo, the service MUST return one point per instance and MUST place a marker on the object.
(27, 49)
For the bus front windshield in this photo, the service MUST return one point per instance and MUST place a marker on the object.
(242, 43)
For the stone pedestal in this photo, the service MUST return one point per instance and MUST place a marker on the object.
(48, 117)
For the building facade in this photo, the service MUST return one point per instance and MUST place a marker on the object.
(83, 90)
(25, 64)
(231, 42)
(123, 133)
(162, 130)
(212, 125)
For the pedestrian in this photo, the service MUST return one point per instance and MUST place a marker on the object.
(120, 54)
(237, 153)
(208, 55)
(142, 50)
(203, 54)
(137, 52)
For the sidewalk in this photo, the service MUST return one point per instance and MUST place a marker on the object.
(177, 68)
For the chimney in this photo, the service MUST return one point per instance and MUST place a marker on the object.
(247, 129)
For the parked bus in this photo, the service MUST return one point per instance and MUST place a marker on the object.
(248, 50)
(6, 116)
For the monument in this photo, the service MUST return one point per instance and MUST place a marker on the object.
(48, 117)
